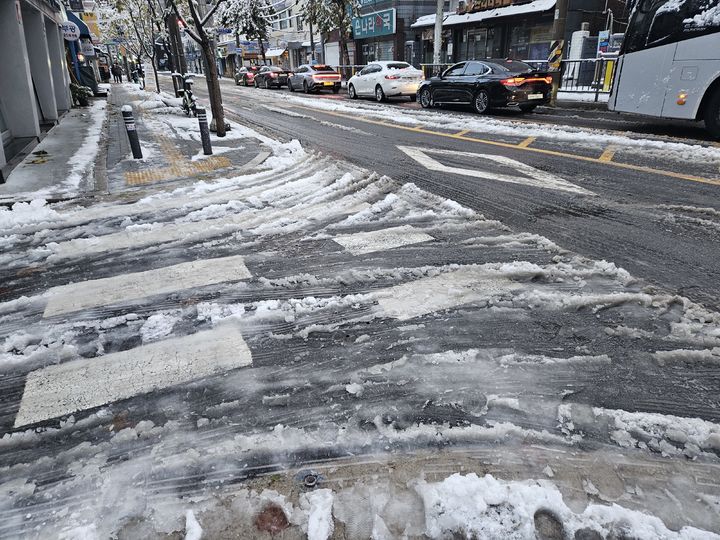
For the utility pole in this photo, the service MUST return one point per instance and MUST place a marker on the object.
(558, 45)
(437, 44)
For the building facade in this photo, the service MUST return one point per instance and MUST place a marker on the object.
(508, 28)
(383, 30)
(34, 80)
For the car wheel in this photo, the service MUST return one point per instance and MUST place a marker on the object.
(481, 102)
(712, 115)
(379, 94)
(351, 92)
(425, 98)
(526, 108)
(245, 81)
(257, 85)
(290, 86)
(305, 87)
(336, 89)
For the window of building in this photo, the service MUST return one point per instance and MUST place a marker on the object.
(299, 23)
(530, 42)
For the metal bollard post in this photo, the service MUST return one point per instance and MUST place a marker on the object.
(204, 131)
(131, 131)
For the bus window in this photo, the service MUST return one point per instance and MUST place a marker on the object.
(659, 22)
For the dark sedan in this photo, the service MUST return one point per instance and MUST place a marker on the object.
(269, 76)
(314, 78)
(485, 84)
(246, 75)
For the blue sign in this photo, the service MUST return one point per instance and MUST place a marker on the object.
(378, 23)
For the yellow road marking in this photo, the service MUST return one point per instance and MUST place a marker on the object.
(639, 168)
(461, 133)
(608, 154)
(527, 142)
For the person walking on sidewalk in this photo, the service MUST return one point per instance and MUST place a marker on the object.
(117, 72)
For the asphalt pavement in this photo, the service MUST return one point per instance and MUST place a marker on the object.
(660, 228)
(330, 330)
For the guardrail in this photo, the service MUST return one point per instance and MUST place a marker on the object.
(586, 76)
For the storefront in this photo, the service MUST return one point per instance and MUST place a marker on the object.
(519, 31)
(34, 80)
(382, 32)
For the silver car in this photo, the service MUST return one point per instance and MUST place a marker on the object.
(309, 78)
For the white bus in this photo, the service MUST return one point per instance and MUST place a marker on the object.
(669, 64)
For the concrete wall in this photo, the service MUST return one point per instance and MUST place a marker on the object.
(15, 81)
(40, 69)
(58, 64)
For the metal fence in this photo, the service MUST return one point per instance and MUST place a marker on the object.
(586, 76)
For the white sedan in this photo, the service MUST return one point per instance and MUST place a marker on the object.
(385, 79)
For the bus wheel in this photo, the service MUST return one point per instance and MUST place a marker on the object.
(712, 115)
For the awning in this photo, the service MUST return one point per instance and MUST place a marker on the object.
(453, 18)
(84, 30)
(275, 52)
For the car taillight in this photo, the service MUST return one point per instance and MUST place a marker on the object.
(273, 75)
(392, 77)
(512, 81)
(548, 79)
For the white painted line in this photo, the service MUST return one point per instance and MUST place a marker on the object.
(466, 285)
(137, 238)
(102, 292)
(531, 176)
(367, 242)
(82, 384)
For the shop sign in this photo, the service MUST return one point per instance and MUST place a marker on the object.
(231, 47)
(70, 31)
(603, 42)
(378, 23)
(86, 47)
(482, 5)
(91, 20)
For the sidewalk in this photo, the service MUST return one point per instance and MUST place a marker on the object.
(170, 141)
(88, 153)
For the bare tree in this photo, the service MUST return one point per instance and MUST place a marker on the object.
(199, 28)
(329, 15)
(137, 24)
(253, 18)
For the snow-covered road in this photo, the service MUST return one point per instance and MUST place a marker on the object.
(161, 347)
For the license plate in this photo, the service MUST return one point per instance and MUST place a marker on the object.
(535, 96)
(328, 83)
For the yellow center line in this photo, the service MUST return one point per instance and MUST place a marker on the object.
(461, 133)
(527, 142)
(639, 168)
(608, 154)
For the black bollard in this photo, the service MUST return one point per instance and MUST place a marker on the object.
(204, 131)
(131, 131)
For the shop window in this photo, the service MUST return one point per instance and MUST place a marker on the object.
(530, 42)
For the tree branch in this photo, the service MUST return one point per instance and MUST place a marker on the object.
(188, 31)
(211, 12)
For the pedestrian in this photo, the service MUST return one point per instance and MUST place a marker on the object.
(117, 72)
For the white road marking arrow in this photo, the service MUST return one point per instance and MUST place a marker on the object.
(530, 175)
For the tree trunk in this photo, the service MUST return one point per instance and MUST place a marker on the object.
(262, 51)
(154, 66)
(213, 86)
(345, 55)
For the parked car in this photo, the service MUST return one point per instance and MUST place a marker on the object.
(314, 78)
(246, 75)
(485, 84)
(385, 79)
(269, 76)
